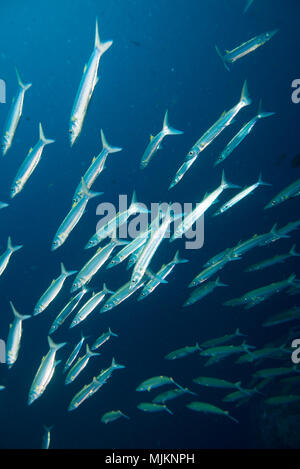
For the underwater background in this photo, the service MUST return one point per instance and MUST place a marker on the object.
(163, 57)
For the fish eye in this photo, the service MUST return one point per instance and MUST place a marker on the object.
(190, 153)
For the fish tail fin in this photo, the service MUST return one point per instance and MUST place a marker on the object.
(222, 58)
(168, 410)
(293, 252)
(168, 130)
(90, 353)
(11, 247)
(46, 141)
(101, 46)
(177, 259)
(220, 284)
(106, 290)
(116, 365)
(24, 86)
(188, 391)
(261, 114)
(109, 148)
(260, 182)
(18, 315)
(238, 333)
(227, 185)
(179, 386)
(245, 98)
(86, 192)
(65, 272)
(238, 385)
(291, 279)
(125, 416)
(55, 346)
(48, 429)
(112, 333)
(154, 276)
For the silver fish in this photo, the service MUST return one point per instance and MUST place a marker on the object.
(5, 257)
(14, 337)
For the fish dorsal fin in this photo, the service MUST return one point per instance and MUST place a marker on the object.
(151, 138)
(52, 282)
(94, 159)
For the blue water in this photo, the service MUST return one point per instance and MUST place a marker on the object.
(163, 57)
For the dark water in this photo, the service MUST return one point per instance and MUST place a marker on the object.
(163, 57)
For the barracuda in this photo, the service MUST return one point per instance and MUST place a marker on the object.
(79, 366)
(29, 164)
(115, 222)
(129, 249)
(95, 263)
(112, 416)
(155, 142)
(53, 290)
(201, 208)
(293, 190)
(164, 271)
(45, 372)
(232, 56)
(212, 133)
(103, 338)
(209, 409)
(120, 295)
(203, 291)
(242, 134)
(14, 337)
(73, 217)
(67, 310)
(86, 87)
(90, 305)
(278, 259)
(240, 196)
(14, 115)
(183, 352)
(96, 167)
(74, 353)
(156, 382)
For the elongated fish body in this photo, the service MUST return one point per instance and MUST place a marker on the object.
(240, 196)
(94, 264)
(212, 133)
(73, 217)
(221, 340)
(218, 257)
(86, 87)
(258, 240)
(149, 249)
(52, 291)
(104, 375)
(87, 391)
(164, 271)
(2, 388)
(226, 350)
(5, 257)
(278, 259)
(293, 190)
(233, 55)
(46, 437)
(241, 135)
(112, 416)
(291, 314)
(210, 271)
(103, 338)
(129, 249)
(29, 164)
(89, 306)
(182, 352)
(203, 291)
(266, 352)
(45, 372)
(201, 208)
(152, 407)
(274, 372)
(209, 409)
(74, 354)
(14, 337)
(258, 295)
(14, 115)
(110, 227)
(96, 167)
(282, 400)
(3, 205)
(293, 225)
(171, 394)
(155, 142)
(156, 382)
(79, 366)
(119, 296)
(67, 310)
(216, 383)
